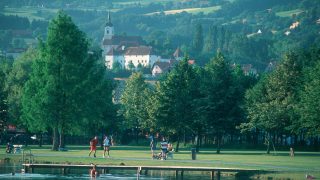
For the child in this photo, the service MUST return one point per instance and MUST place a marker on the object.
(94, 172)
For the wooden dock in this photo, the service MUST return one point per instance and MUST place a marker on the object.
(215, 172)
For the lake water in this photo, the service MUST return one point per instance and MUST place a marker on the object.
(12, 171)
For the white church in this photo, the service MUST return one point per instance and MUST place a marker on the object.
(125, 50)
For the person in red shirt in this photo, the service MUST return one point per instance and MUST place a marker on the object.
(93, 145)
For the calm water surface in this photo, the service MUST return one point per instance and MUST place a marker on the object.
(12, 171)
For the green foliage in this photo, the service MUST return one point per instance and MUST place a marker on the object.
(116, 67)
(131, 66)
(308, 106)
(5, 67)
(134, 101)
(217, 104)
(174, 102)
(67, 89)
(270, 104)
(197, 43)
(15, 82)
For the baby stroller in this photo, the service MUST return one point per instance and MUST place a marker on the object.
(161, 155)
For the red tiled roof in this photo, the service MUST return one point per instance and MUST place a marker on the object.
(191, 62)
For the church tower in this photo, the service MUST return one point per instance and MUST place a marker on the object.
(108, 29)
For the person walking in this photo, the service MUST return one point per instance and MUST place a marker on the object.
(164, 148)
(93, 146)
(106, 145)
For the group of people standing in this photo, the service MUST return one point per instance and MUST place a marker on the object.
(107, 142)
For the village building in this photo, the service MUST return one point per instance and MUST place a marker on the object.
(125, 50)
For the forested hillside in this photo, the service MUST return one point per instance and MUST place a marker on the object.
(62, 80)
(246, 31)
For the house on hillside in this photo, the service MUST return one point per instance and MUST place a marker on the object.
(162, 67)
(137, 55)
(248, 69)
(271, 66)
(166, 66)
(125, 50)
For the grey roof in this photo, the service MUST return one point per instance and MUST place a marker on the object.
(115, 52)
(139, 50)
(162, 65)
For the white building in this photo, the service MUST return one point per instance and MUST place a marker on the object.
(142, 55)
(125, 49)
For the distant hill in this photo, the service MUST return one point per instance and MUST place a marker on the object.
(246, 31)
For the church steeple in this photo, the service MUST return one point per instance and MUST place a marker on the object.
(109, 20)
(108, 29)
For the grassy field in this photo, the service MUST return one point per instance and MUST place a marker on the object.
(298, 166)
(31, 12)
(143, 2)
(136, 155)
(289, 13)
(206, 10)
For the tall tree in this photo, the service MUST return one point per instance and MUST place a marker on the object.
(16, 80)
(216, 104)
(209, 41)
(176, 94)
(5, 68)
(67, 90)
(197, 43)
(270, 104)
(308, 107)
(134, 101)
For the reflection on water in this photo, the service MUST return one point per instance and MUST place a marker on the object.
(12, 171)
(70, 176)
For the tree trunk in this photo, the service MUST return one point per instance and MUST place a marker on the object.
(198, 143)
(137, 136)
(219, 143)
(178, 143)
(268, 143)
(102, 138)
(55, 139)
(40, 140)
(62, 140)
(184, 139)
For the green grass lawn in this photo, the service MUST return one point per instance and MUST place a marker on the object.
(298, 166)
(143, 2)
(137, 155)
(32, 13)
(289, 13)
